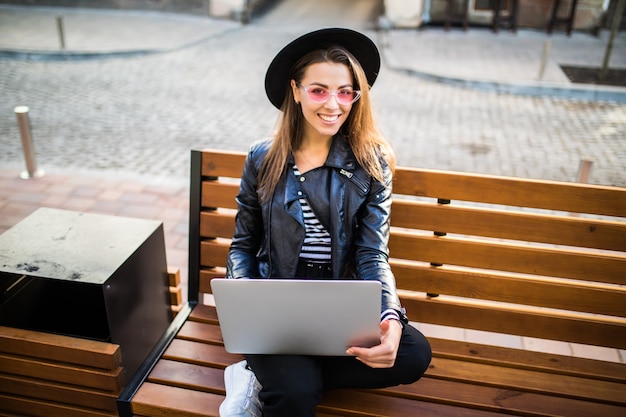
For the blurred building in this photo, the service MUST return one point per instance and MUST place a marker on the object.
(590, 15)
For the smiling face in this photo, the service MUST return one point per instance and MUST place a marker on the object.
(323, 120)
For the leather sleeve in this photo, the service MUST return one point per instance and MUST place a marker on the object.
(371, 242)
(248, 235)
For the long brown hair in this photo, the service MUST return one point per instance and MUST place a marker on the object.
(359, 129)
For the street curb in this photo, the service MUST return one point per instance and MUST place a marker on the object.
(39, 55)
(25, 55)
(585, 92)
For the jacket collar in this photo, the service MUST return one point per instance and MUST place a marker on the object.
(340, 155)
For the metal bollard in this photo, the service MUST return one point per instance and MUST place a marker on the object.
(584, 170)
(544, 59)
(27, 144)
(61, 31)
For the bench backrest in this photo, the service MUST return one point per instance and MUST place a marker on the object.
(509, 255)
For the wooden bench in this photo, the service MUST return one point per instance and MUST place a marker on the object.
(515, 256)
(48, 375)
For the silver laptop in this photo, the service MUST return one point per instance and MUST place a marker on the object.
(302, 317)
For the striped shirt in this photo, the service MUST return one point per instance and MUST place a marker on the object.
(316, 246)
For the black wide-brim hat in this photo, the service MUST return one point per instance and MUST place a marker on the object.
(279, 72)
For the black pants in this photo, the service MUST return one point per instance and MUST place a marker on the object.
(293, 385)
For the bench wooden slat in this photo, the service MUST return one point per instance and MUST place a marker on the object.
(206, 275)
(214, 252)
(199, 353)
(57, 371)
(218, 223)
(176, 296)
(173, 276)
(204, 314)
(161, 400)
(500, 400)
(528, 381)
(588, 266)
(222, 163)
(369, 403)
(598, 331)
(60, 348)
(532, 227)
(219, 194)
(532, 291)
(188, 375)
(41, 408)
(201, 332)
(549, 195)
(62, 393)
(532, 360)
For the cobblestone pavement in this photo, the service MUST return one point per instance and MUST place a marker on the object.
(140, 116)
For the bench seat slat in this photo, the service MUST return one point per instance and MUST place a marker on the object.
(199, 353)
(63, 393)
(532, 360)
(587, 266)
(501, 400)
(369, 403)
(518, 192)
(188, 375)
(535, 291)
(59, 372)
(204, 314)
(515, 321)
(41, 408)
(201, 332)
(531, 227)
(60, 348)
(163, 400)
(528, 381)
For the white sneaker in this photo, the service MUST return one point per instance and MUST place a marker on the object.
(242, 392)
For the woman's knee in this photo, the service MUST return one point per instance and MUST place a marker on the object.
(414, 355)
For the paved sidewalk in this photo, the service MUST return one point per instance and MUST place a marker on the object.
(526, 62)
(33, 32)
(478, 58)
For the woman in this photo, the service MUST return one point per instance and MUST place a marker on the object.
(314, 203)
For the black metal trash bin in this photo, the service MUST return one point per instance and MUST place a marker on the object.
(87, 275)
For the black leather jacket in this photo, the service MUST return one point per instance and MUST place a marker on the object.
(268, 237)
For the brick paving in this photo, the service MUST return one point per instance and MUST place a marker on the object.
(113, 133)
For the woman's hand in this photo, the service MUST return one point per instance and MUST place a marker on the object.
(383, 355)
